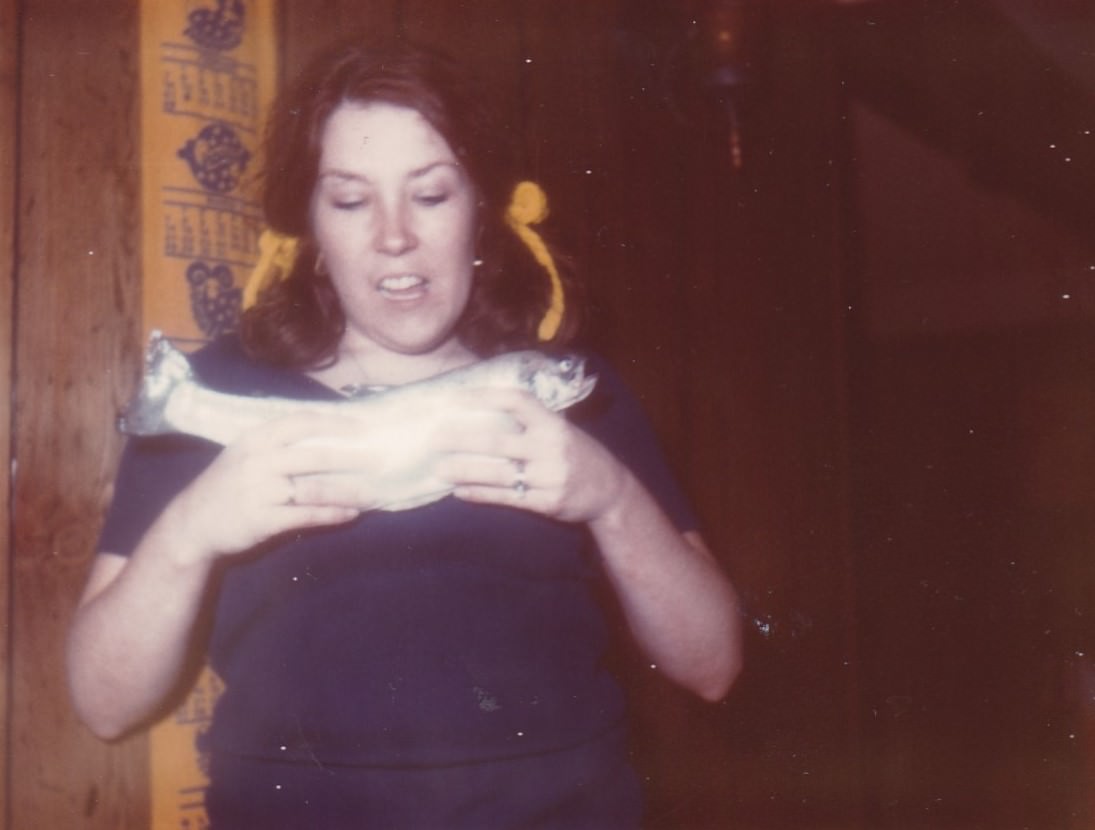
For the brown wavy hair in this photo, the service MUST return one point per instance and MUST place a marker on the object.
(298, 321)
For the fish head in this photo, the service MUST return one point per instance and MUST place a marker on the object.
(557, 381)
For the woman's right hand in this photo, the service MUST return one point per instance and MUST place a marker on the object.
(270, 481)
(131, 634)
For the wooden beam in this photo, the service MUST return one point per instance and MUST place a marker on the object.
(9, 50)
(77, 323)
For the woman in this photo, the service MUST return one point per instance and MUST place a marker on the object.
(435, 667)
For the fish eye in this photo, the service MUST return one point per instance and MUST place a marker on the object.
(569, 367)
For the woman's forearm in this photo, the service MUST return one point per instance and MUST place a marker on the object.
(133, 631)
(679, 605)
(132, 634)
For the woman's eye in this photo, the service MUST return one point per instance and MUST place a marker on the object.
(430, 199)
(349, 204)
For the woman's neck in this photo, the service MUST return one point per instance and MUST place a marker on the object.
(362, 365)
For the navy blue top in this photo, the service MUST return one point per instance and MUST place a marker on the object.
(445, 634)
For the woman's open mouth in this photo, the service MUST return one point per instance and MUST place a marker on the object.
(402, 286)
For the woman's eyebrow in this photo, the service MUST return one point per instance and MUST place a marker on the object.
(417, 173)
(343, 175)
(422, 171)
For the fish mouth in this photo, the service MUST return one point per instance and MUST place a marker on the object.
(402, 286)
(585, 387)
(572, 369)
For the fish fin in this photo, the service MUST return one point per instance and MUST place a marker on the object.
(165, 369)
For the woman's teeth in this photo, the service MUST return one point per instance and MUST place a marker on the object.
(404, 282)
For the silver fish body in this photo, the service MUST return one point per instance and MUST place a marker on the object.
(399, 424)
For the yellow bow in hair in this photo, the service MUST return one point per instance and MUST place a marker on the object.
(277, 256)
(529, 206)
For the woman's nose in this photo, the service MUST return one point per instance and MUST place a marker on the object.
(394, 234)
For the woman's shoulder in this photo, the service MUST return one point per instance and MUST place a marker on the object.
(615, 415)
(222, 363)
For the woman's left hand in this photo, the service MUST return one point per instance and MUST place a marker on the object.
(543, 463)
(679, 606)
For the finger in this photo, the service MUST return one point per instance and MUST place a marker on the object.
(528, 498)
(300, 517)
(470, 421)
(491, 470)
(521, 405)
(305, 459)
(461, 440)
(297, 507)
(358, 492)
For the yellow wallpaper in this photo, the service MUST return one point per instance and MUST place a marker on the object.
(208, 73)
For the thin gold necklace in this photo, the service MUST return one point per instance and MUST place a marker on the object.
(360, 390)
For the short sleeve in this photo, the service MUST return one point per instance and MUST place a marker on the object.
(151, 473)
(615, 417)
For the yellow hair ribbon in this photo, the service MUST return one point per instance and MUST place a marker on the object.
(277, 255)
(528, 206)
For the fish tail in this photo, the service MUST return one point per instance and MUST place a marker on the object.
(166, 368)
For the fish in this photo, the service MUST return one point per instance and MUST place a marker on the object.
(399, 423)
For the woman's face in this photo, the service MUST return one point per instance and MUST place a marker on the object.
(394, 215)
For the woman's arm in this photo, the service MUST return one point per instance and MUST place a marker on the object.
(679, 605)
(129, 640)
(134, 627)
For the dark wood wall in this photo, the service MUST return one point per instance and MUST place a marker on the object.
(716, 290)
(76, 327)
(8, 132)
(973, 449)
